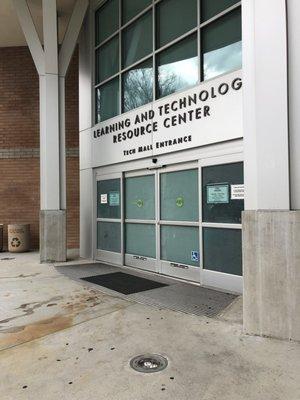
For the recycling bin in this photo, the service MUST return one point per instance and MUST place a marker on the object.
(18, 238)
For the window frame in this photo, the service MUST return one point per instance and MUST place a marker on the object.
(118, 33)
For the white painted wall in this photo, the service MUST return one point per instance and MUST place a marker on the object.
(294, 98)
(265, 105)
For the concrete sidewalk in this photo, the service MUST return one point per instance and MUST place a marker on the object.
(60, 339)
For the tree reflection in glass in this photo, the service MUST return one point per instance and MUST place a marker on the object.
(178, 67)
(138, 86)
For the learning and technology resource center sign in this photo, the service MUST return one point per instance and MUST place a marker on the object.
(208, 113)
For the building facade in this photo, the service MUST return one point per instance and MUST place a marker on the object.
(165, 150)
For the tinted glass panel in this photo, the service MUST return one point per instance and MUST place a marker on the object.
(108, 199)
(140, 240)
(107, 100)
(210, 8)
(107, 60)
(137, 40)
(178, 243)
(109, 236)
(222, 250)
(219, 204)
(179, 196)
(107, 20)
(174, 18)
(178, 67)
(132, 7)
(140, 197)
(222, 46)
(138, 86)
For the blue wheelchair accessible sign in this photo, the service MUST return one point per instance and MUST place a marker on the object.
(195, 255)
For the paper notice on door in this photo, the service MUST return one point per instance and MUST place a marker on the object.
(237, 192)
(103, 199)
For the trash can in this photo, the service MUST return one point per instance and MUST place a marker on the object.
(18, 238)
(1, 237)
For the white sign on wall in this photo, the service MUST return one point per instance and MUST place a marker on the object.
(208, 113)
(237, 192)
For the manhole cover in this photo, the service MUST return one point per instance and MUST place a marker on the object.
(149, 363)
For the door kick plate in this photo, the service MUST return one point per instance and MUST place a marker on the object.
(179, 266)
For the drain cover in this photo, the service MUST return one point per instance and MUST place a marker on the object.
(6, 258)
(149, 363)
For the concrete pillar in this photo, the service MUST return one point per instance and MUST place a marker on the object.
(87, 217)
(52, 65)
(271, 258)
(293, 29)
(270, 230)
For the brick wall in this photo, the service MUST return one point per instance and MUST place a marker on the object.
(19, 144)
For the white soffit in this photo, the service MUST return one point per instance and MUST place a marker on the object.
(10, 31)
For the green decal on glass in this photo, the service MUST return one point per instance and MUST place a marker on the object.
(217, 194)
(180, 201)
(114, 198)
(139, 203)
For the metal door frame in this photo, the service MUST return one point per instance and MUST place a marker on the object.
(170, 268)
(104, 255)
(139, 261)
(210, 278)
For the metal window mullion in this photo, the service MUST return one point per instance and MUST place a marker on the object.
(140, 221)
(157, 215)
(199, 42)
(180, 223)
(221, 225)
(153, 51)
(120, 59)
(112, 220)
(107, 80)
(105, 41)
(178, 39)
(201, 255)
(221, 14)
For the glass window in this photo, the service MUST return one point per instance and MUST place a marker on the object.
(109, 236)
(178, 243)
(140, 197)
(174, 18)
(107, 60)
(218, 204)
(107, 100)
(137, 40)
(132, 7)
(179, 196)
(138, 86)
(210, 8)
(109, 199)
(140, 240)
(106, 20)
(221, 45)
(178, 67)
(222, 250)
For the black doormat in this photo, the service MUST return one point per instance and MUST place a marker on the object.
(124, 283)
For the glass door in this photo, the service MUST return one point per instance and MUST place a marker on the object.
(140, 220)
(109, 219)
(179, 222)
(222, 206)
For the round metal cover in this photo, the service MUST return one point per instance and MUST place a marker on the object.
(149, 363)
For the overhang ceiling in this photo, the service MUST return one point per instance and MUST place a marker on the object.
(10, 31)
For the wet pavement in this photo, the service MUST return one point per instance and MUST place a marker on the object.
(62, 339)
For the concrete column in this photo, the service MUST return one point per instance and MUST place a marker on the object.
(294, 99)
(52, 155)
(265, 105)
(270, 230)
(271, 259)
(87, 212)
(52, 66)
